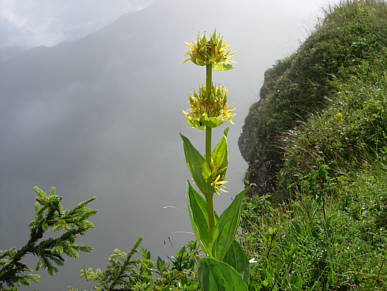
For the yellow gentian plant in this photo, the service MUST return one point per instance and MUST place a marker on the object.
(225, 266)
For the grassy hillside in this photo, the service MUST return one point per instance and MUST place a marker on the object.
(318, 139)
(338, 67)
(312, 244)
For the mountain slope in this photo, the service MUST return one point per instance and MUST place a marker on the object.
(350, 41)
(318, 139)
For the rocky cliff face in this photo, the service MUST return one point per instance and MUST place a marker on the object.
(256, 143)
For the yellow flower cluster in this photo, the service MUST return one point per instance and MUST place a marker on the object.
(218, 177)
(339, 117)
(218, 183)
(212, 51)
(209, 111)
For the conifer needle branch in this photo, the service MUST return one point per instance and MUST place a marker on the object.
(125, 264)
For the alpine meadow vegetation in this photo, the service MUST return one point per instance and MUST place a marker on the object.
(316, 144)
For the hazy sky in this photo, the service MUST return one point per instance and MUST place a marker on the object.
(98, 109)
(30, 23)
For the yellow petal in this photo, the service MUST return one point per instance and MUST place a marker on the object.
(222, 182)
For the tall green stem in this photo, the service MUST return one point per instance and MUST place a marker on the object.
(208, 129)
(210, 210)
(210, 198)
(208, 79)
(208, 144)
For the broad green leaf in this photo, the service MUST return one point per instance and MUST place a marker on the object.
(217, 275)
(197, 209)
(222, 67)
(198, 167)
(226, 228)
(236, 257)
(220, 156)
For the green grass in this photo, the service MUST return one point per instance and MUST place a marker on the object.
(299, 247)
(347, 134)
